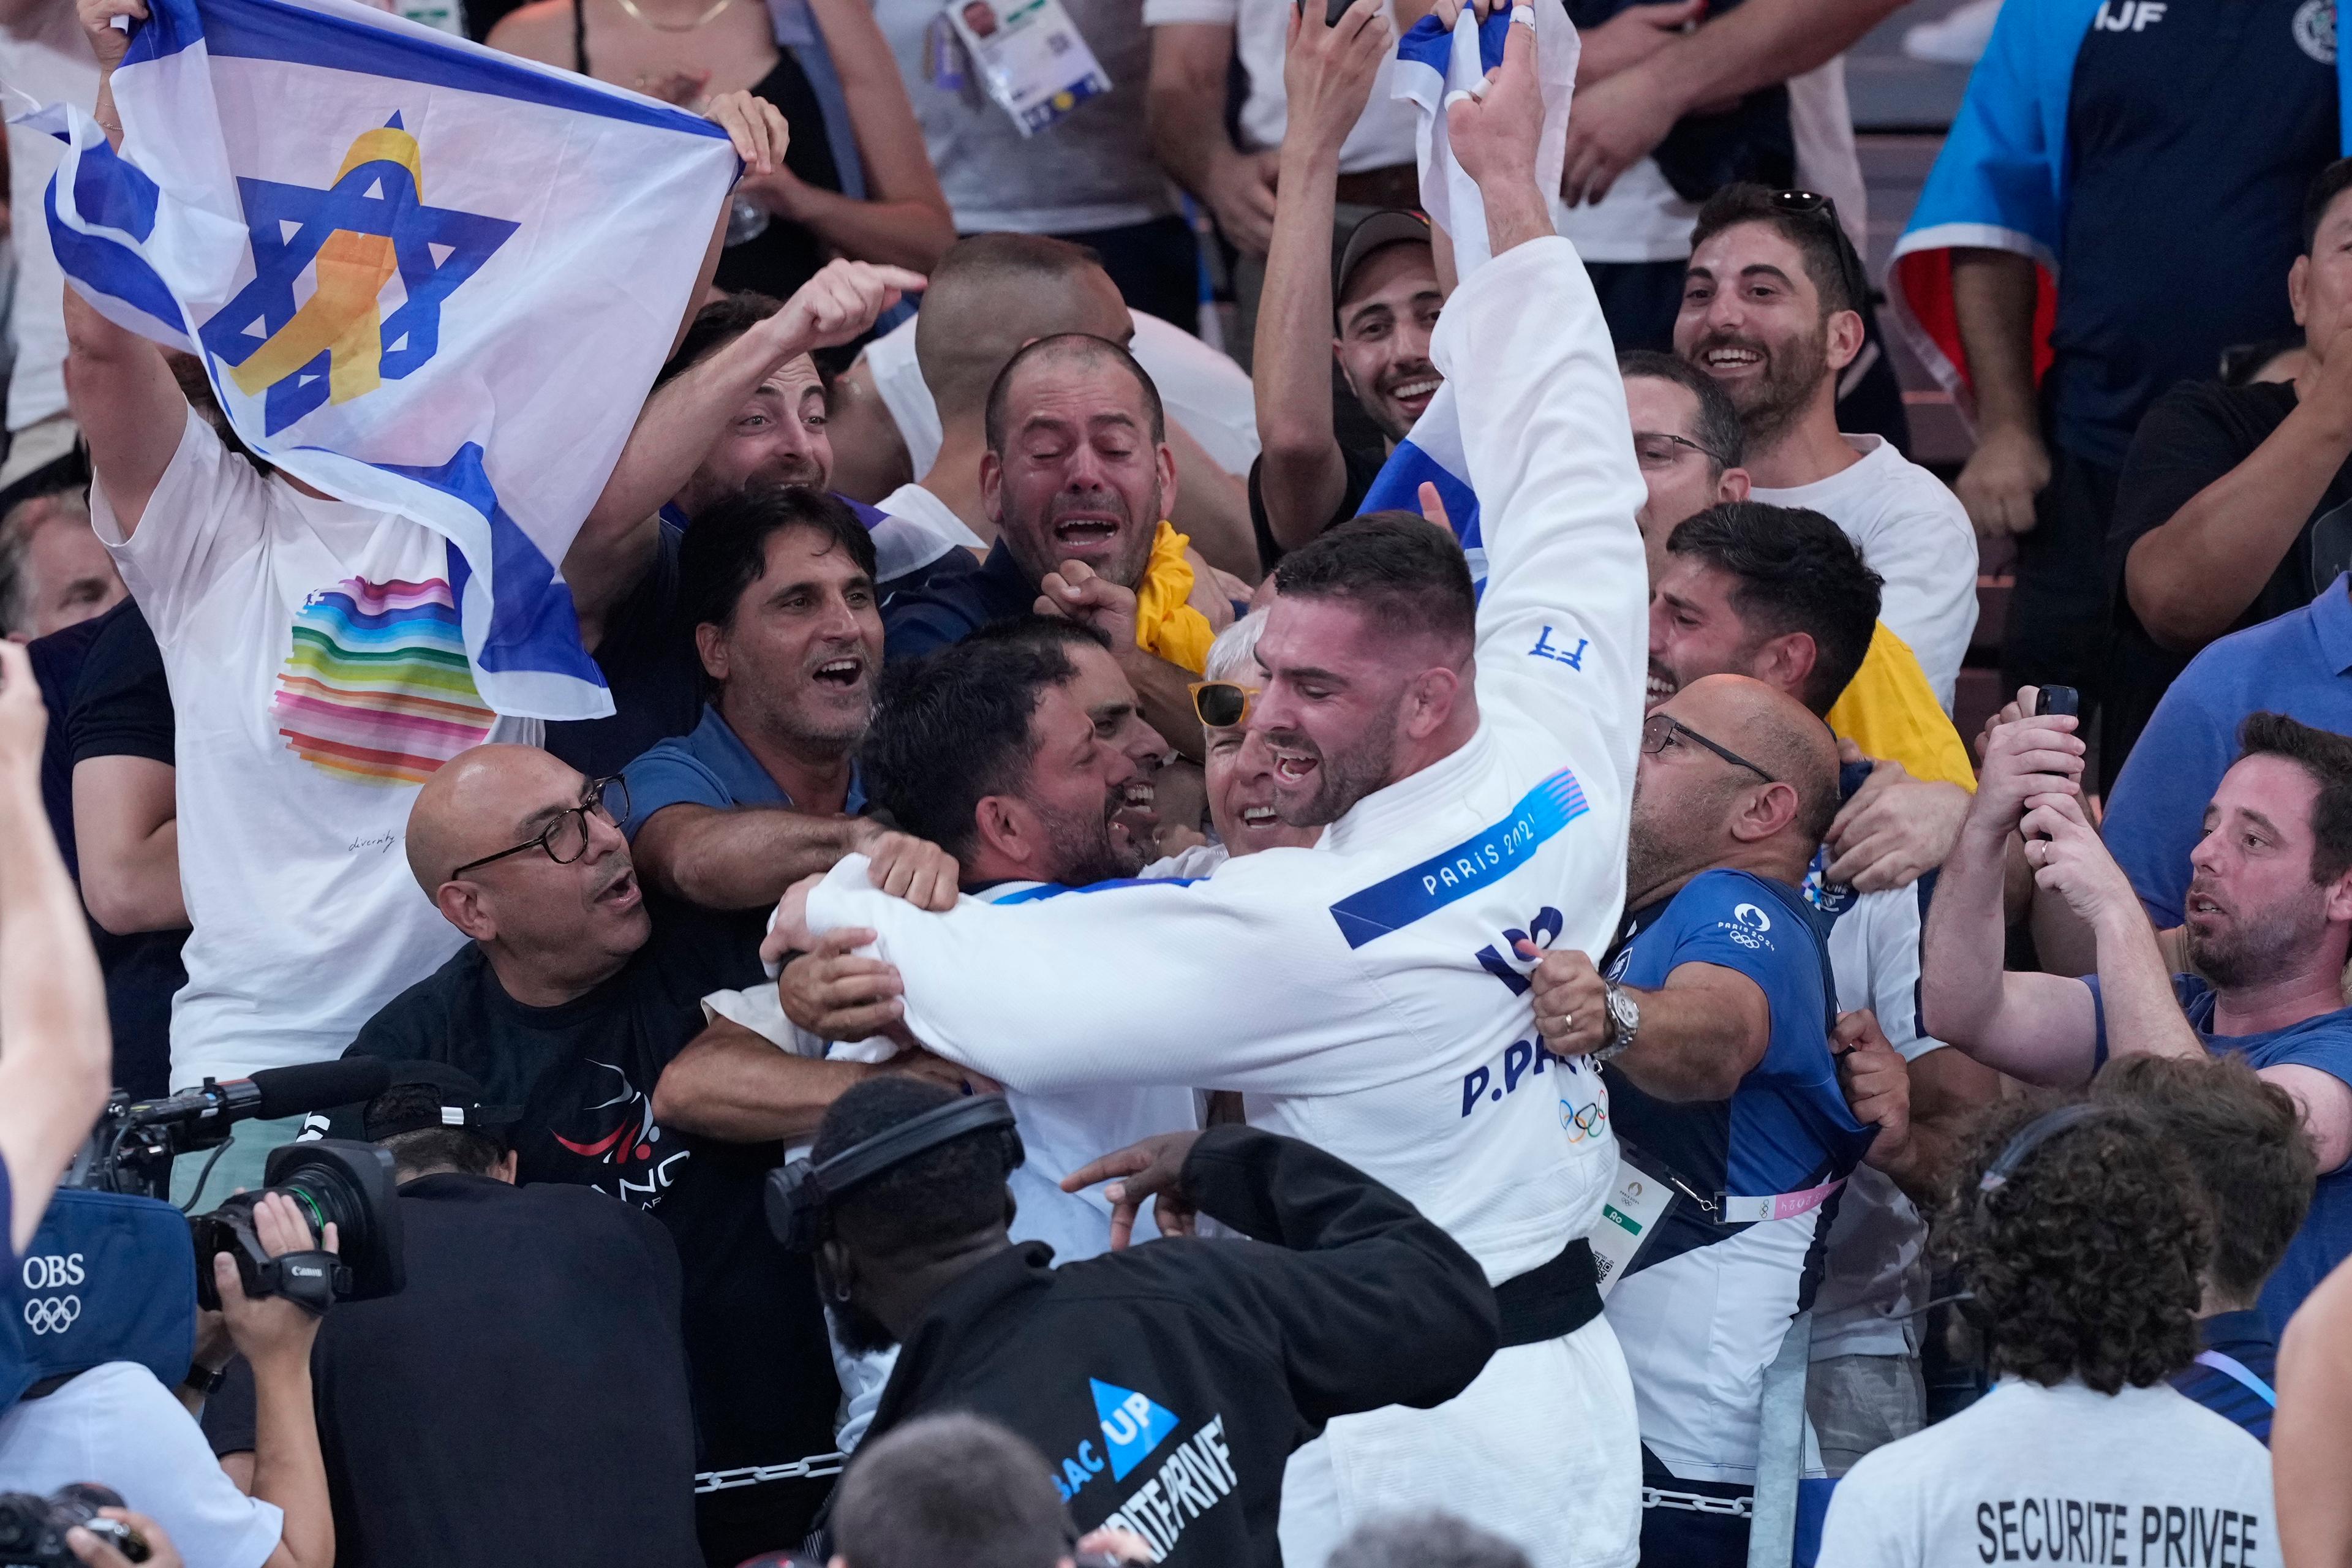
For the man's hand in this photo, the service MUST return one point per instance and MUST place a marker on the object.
(97, 1554)
(2022, 759)
(834, 995)
(1571, 1007)
(1241, 194)
(2068, 860)
(1877, 1085)
(1327, 73)
(1615, 124)
(1894, 830)
(1152, 1169)
(754, 125)
(1124, 1545)
(270, 1329)
(840, 302)
(1632, 36)
(1493, 130)
(788, 929)
(24, 717)
(2000, 478)
(916, 1062)
(97, 17)
(1078, 593)
(912, 869)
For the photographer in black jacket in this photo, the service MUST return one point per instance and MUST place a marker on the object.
(1167, 1384)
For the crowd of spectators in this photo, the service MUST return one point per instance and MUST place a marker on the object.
(1095, 1000)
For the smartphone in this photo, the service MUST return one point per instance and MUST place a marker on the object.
(2058, 699)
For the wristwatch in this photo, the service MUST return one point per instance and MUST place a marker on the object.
(205, 1380)
(1624, 1020)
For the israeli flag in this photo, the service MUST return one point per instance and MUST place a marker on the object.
(422, 276)
(1432, 62)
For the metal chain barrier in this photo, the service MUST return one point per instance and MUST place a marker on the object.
(814, 1467)
(1691, 1502)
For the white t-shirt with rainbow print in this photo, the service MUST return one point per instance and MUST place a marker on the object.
(318, 677)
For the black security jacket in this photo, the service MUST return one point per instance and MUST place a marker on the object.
(1168, 1384)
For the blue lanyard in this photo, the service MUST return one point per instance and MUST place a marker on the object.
(2237, 1371)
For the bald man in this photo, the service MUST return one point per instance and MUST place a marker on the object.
(1711, 1015)
(566, 1003)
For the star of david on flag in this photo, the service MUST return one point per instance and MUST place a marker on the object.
(422, 276)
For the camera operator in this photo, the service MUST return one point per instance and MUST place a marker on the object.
(55, 1063)
(1170, 1383)
(523, 1398)
(115, 1422)
(97, 1554)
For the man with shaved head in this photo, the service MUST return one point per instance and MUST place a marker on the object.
(566, 1003)
(1711, 1015)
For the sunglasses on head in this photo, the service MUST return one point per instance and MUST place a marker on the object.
(1223, 704)
(1813, 204)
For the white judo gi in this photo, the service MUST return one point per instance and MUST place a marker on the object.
(1363, 995)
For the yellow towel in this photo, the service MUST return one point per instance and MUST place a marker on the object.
(1165, 622)
(1889, 711)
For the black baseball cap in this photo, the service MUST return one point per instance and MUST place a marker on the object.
(1390, 226)
(457, 1102)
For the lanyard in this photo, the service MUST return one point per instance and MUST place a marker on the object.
(2238, 1372)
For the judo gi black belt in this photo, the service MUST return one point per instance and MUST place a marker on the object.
(1557, 1299)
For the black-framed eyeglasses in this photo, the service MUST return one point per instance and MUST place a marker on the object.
(1807, 204)
(565, 839)
(1661, 730)
(1659, 449)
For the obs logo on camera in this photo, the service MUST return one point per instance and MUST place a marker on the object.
(53, 1271)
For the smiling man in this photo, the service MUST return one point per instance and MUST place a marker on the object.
(779, 584)
(2255, 971)
(1077, 478)
(1771, 309)
(1471, 759)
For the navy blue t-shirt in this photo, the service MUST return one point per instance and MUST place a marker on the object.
(949, 609)
(2233, 1347)
(2193, 127)
(1786, 1127)
(2324, 1041)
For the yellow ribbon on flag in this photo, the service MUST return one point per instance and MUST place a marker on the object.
(340, 319)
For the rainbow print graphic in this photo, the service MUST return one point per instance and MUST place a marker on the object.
(376, 688)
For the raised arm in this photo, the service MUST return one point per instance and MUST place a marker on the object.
(2192, 576)
(680, 422)
(55, 1049)
(1328, 72)
(2039, 1028)
(1562, 629)
(123, 394)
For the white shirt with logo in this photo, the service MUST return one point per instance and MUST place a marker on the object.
(1363, 996)
(317, 678)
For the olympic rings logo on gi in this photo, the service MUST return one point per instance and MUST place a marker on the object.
(1583, 1122)
(52, 1315)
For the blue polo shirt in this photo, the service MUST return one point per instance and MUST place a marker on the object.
(710, 765)
(2323, 1041)
(947, 610)
(2299, 665)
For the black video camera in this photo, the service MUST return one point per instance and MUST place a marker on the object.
(33, 1529)
(349, 1185)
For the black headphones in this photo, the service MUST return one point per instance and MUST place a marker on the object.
(2029, 1138)
(799, 1192)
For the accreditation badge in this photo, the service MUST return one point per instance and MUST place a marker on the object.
(1628, 1216)
(1030, 56)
